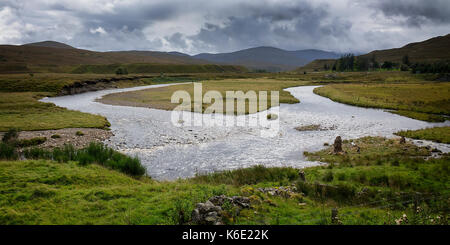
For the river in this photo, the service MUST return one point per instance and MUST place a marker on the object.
(170, 152)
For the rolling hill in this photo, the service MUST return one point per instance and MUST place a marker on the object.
(434, 49)
(51, 56)
(268, 58)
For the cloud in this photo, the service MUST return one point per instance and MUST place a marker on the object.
(223, 26)
(415, 12)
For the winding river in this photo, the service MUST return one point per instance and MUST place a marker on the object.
(171, 152)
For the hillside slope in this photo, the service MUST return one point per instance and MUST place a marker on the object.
(434, 49)
(59, 57)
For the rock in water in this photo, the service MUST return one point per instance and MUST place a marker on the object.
(337, 145)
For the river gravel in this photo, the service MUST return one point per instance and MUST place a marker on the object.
(170, 152)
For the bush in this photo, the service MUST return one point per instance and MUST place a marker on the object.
(56, 136)
(37, 153)
(121, 71)
(11, 135)
(79, 133)
(328, 177)
(8, 152)
(30, 142)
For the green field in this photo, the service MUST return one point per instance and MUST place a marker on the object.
(371, 187)
(425, 101)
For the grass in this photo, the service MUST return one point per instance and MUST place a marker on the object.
(94, 153)
(160, 98)
(419, 101)
(365, 190)
(436, 134)
(24, 111)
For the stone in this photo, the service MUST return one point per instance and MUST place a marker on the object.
(337, 145)
(301, 175)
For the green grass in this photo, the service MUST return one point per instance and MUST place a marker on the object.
(24, 111)
(436, 134)
(419, 101)
(160, 98)
(48, 192)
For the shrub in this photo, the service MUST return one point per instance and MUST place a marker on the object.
(11, 135)
(79, 133)
(8, 152)
(56, 136)
(328, 177)
(37, 153)
(30, 142)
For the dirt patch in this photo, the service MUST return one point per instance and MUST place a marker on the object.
(57, 138)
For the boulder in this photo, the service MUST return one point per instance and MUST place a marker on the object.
(337, 145)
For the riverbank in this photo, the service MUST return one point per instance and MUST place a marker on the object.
(77, 137)
(372, 191)
(424, 101)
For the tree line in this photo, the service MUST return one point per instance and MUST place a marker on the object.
(350, 62)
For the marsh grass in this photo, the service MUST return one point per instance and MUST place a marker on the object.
(95, 153)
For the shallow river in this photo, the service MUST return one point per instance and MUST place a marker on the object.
(170, 151)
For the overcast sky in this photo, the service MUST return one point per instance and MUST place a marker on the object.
(197, 26)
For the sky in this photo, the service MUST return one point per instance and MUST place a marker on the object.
(199, 26)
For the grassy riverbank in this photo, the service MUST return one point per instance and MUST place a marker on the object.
(24, 111)
(436, 134)
(376, 186)
(419, 101)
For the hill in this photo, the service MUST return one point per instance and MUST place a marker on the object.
(267, 58)
(49, 44)
(58, 57)
(434, 49)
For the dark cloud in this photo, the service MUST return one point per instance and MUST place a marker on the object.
(416, 12)
(290, 27)
(222, 26)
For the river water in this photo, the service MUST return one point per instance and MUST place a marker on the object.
(169, 151)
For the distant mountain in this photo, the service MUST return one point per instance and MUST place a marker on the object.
(49, 44)
(434, 49)
(268, 58)
(52, 56)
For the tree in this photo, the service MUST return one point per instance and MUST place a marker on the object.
(405, 60)
(121, 71)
